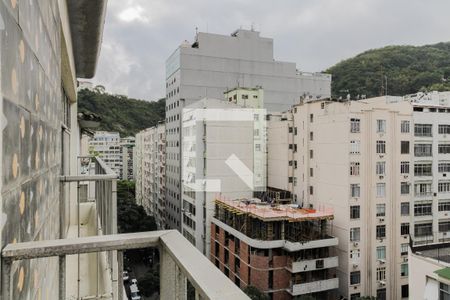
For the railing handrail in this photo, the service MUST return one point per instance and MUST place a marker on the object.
(96, 177)
(209, 282)
(104, 166)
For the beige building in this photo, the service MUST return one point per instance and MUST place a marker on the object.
(150, 171)
(381, 164)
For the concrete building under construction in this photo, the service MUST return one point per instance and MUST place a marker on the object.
(283, 250)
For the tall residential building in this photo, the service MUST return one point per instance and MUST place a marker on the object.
(381, 164)
(283, 250)
(116, 152)
(210, 66)
(150, 172)
(223, 153)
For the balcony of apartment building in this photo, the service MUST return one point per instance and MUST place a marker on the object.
(91, 255)
(312, 259)
(313, 282)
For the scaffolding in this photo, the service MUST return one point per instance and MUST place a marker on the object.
(263, 221)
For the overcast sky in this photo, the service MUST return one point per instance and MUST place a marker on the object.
(140, 34)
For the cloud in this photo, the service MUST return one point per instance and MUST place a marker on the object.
(140, 34)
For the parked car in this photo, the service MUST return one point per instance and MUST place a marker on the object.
(125, 276)
(134, 292)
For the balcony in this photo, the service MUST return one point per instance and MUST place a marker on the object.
(314, 287)
(91, 254)
(314, 264)
(180, 262)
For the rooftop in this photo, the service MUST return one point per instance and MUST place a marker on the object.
(268, 212)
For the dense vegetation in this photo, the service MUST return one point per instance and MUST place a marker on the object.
(408, 70)
(119, 113)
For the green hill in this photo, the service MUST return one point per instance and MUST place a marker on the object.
(408, 69)
(122, 114)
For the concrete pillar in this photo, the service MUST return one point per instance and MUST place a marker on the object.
(172, 280)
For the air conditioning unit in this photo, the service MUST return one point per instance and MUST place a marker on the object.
(382, 261)
(355, 266)
(382, 283)
(381, 176)
(405, 259)
(381, 156)
(355, 244)
(405, 176)
(381, 220)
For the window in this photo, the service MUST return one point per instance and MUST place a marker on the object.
(381, 273)
(311, 118)
(423, 130)
(444, 187)
(444, 167)
(355, 277)
(381, 126)
(404, 248)
(381, 231)
(355, 125)
(404, 188)
(444, 205)
(258, 147)
(444, 291)
(404, 228)
(311, 136)
(355, 254)
(381, 294)
(444, 148)
(356, 296)
(404, 127)
(381, 210)
(444, 226)
(311, 190)
(422, 209)
(381, 190)
(423, 169)
(355, 234)
(381, 168)
(290, 129)
(423, 150)
(404, 167)
(405, 291)
(404, 208)
(381, 252)
(404, 270)
(355, 147)
(354, 168)
(422, 189)
(444, 129)
(381, 147)
(354, 212)
(425, 229)
(311, 153)
(404, 147)
(355, 190)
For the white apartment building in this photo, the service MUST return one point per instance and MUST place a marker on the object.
(211, 65)
(117, 153)
(223, 154)
(150, 172)
(381, 164)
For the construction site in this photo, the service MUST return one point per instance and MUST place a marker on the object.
(265, 221)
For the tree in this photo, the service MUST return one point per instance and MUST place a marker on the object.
(149, 283)
(254, 293)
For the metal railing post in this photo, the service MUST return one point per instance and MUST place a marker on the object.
(62, 276)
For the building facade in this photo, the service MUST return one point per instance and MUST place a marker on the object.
(42, 53)
(282, 250)
(381, 164)
(209, 67)
(223, 152)
(150, 172)
(115, 151)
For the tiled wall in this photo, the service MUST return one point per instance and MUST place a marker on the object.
(31, 119)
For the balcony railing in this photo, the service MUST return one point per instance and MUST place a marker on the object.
(180, 262)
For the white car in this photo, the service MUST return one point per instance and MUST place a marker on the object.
(125, 276)
(134, 292)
